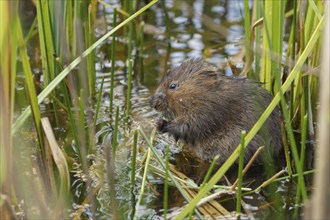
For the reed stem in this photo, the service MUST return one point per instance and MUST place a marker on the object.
(240, 176)
(113, 54)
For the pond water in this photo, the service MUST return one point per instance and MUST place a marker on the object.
(208, 29)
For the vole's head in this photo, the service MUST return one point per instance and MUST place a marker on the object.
(185, 89)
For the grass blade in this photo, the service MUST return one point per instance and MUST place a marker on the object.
(60, 162)
(98, 102)
(247, 28)
(8, 60)
(135, 140)
(30, 85)
(115, 135)
(46, 40)
(166, 181)
(113, 52)
(129, 90)
(240, 176)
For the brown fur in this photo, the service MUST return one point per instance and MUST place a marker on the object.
(208, 110)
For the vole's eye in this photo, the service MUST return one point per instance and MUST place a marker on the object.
(173, 85)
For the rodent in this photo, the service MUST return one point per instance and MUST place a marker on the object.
(208, 110)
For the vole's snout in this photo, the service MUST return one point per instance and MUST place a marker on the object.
(158, 101)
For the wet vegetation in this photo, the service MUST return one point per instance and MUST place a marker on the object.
(76, 130)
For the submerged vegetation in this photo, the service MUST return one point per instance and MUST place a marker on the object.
(74, 146)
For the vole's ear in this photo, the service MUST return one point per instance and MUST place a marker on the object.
(209, 73)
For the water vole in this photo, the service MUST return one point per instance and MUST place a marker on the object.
(208, 110)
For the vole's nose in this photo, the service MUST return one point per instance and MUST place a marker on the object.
(157, 99)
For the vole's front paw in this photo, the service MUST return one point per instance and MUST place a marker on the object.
(161, 124)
